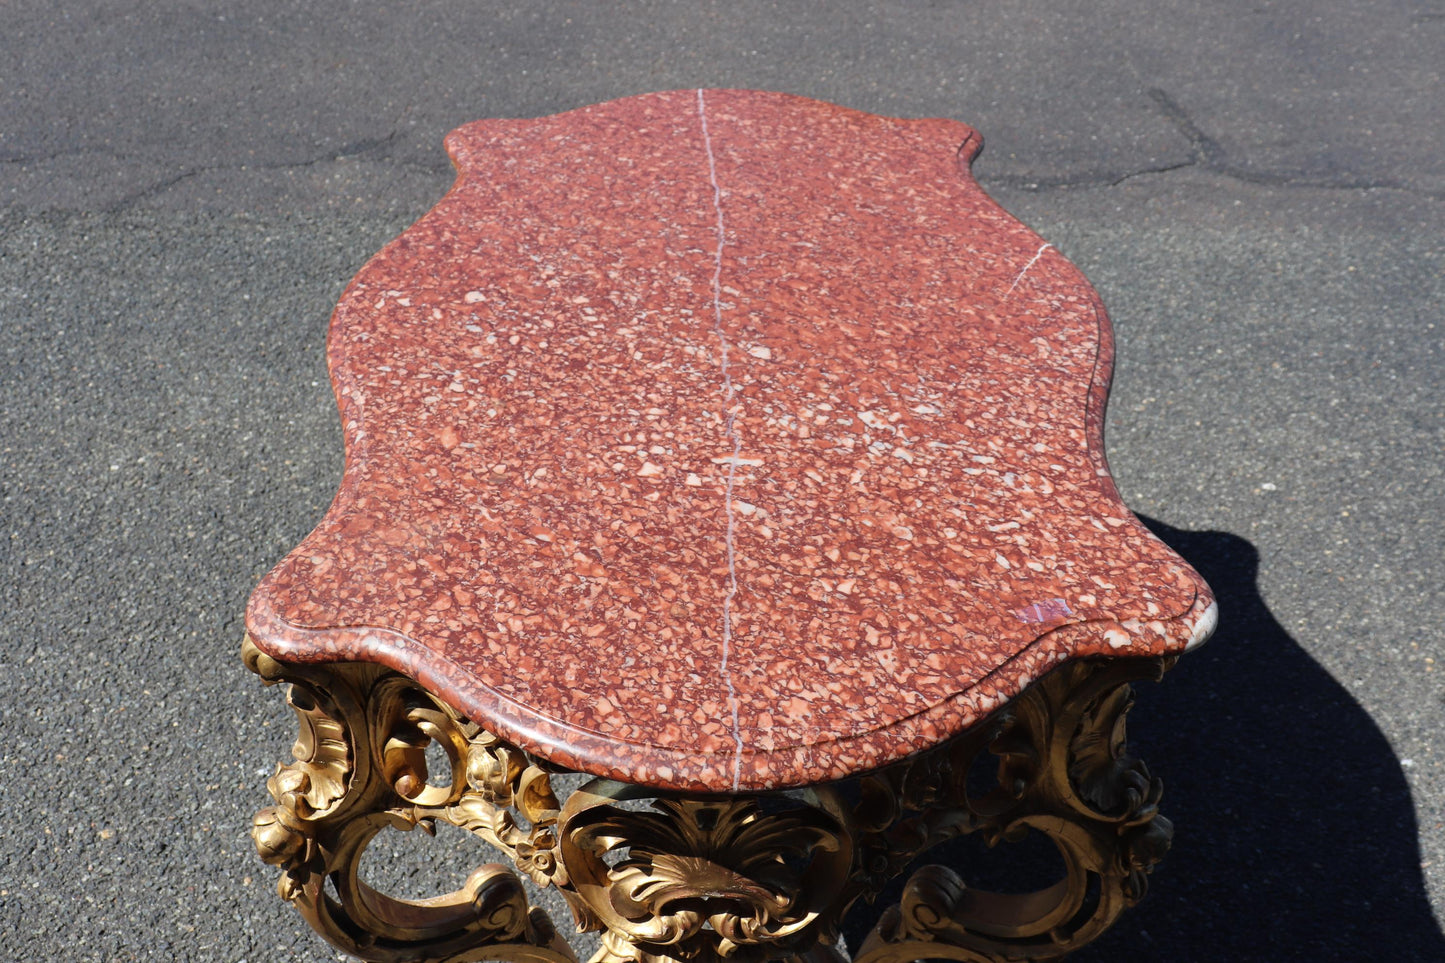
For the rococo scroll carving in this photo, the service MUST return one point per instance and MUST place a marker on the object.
(1063, 770)
(361, 767)
(744, 878)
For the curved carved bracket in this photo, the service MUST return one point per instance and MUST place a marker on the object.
(361, 767)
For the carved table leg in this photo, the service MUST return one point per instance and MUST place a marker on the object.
(746, 878)
(1063, 771)
(361, 767)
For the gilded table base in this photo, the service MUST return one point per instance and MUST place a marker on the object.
(747, 878)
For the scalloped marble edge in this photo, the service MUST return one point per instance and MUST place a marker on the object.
(787, 766)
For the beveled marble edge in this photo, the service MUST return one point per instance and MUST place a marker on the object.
(761, 770)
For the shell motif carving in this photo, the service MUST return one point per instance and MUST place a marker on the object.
(706, 878)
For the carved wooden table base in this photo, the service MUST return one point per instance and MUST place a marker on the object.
(750, 877)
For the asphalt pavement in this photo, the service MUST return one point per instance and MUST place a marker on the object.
(1256, 189)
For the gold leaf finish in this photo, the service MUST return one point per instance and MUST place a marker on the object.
(361, 767)
(747, 878)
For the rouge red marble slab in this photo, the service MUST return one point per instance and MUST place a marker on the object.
(723, 440)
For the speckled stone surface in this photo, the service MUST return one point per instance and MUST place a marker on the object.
(723, 440)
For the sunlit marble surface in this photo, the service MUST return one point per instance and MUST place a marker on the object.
(723, 440)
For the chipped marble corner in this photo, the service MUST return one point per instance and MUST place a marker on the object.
(1203, 626)
(675, 876)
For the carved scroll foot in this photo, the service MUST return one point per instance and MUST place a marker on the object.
(360, 768)
(745, 878)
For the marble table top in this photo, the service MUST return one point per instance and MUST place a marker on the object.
(723, 440)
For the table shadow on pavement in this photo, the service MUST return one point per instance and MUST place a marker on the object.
(1295, 835)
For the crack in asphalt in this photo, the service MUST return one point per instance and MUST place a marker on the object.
(1206, 154)
(353, 149)
(356, 149)
(1205, 149)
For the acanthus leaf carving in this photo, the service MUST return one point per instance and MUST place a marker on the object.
(706, 878)
(744, 878)
(360, 768)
